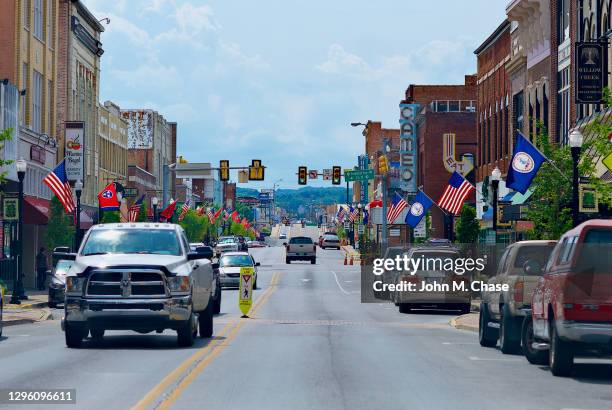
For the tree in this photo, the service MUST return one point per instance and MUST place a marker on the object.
(60, 227)
(109, 217)
(467, 226)
(5, 135)
(142, 215)
(551, 204)
(195, 226)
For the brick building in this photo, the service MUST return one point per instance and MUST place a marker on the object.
(446, 130)
(494, 117)
(375, 135)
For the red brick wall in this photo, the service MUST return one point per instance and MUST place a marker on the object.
(375, 134)
(425, 94)
(8, 64)
(142, 158)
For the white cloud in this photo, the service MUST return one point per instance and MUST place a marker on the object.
(339, 61)
(194, 19)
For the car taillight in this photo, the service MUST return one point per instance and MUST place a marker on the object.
(518, 291)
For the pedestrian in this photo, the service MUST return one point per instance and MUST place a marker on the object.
(41, 268)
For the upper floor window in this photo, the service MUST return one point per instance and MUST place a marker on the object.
(39, 31)
(26, 13)
(564, 20)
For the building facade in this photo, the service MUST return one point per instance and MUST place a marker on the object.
(112, 145)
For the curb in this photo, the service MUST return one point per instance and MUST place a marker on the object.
(35, 305)
(16, 322)
(460, 326)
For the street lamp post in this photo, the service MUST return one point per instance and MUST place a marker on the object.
(18, 290)
(575, 141)
(154, 202)
(495, 178)
(78, 189)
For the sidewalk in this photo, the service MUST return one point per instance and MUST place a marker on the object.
(29, 311)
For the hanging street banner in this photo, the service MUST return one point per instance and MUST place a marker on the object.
(245, 294)
(358, 175)
(590, 72)
(75, 150)
(408, 147)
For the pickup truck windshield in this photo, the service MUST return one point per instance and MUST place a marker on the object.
(227, 240)
(142, 241)
(301, 241)
(235, 260)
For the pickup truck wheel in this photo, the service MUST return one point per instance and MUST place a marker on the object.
(487, 337)
(74, 336)
(97, 334)
(533, 356)
(509, 333)
(465, 308)
(287, 261)
(313, 261)
(405, 307)
(217, 301)
(185, 333)
(561, 354)
(205, 322)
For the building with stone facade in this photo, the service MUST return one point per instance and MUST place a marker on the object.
(112, 146)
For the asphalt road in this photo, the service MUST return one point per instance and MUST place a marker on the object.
(310, 344)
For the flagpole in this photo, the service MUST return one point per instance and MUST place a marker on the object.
(434, 202)
(547, 159)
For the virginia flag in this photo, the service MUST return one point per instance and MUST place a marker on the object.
(526, 161)
(418, 209)
(107, 198)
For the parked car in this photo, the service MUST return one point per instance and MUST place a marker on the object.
(227, 244)
(140, 277)
(452, 299)
(208, 252)
(389, 276)
(300, 248)
(57, 282)
(502, 312)
(229, 268)
(330, 241)
(282, 236)
(572, 303)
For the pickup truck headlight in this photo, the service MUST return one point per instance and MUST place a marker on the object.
(179, 284)
(74, 285)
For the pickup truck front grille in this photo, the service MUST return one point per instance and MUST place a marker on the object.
(121, 284)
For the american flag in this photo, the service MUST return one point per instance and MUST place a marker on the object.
(57, 182)
(455, 193)
(398, 204)
(210, 214)
(340, 215)
(135, 210)
(226, 215)
(184, 210)
(353, 213)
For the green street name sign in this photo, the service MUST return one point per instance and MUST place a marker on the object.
(360, 175)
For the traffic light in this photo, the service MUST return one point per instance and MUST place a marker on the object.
(224, 172)
(336, 175)
(182, 160)
(383, 164)
(256, 171)
(302, 175)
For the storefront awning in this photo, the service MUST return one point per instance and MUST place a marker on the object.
(35, 210)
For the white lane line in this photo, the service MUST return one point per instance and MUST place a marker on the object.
(305, 280)
(339, 285)
(481, 359)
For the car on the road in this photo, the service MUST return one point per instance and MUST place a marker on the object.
(229, 268)
(57, 282)
(256, 244)
(141, 277)
(242, 243)
(454, 298)
(502, 312)
(227, 244)
(282, 236)
(300, 248)
(571, 309)
(199, 247)
(330, 241)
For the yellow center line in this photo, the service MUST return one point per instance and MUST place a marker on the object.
(214, 347)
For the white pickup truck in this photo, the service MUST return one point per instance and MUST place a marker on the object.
(141, 277)
(301, 248)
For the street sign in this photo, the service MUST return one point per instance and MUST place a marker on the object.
(420, 231)
(313, 174)
(360, 229)
(245, 294)
(327, 174)
(394, 232)
(607, 161)
(264, 197)
(346, 225)
(130, 192)
(11, 209)
(359, 175)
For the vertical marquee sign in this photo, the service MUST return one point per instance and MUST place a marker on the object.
(590, 72)
(75, 151)
(408, 147)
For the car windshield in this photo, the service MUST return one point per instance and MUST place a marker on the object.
(300, 240)
(143, 241)
(235, 260)
(62, 267)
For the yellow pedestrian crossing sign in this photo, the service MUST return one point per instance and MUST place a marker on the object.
(607, 161)
(245, 292)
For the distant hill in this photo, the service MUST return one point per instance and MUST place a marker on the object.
(291, 199)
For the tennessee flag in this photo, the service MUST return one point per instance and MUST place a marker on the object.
(169, 211)
(236, 217)
(108, 198)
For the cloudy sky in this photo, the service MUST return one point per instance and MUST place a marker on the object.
(280, 80)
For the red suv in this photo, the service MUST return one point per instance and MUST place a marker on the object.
(572, 303)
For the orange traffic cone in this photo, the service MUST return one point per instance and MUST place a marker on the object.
(345, 259)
